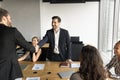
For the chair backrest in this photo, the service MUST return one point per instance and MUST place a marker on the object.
(75, 50)
(74, 38)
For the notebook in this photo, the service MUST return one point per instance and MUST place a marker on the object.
(63, 64)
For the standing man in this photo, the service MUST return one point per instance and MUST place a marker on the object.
(9, 38)
(59, 42)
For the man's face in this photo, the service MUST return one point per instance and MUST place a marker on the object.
(8, 21)
(55, 24)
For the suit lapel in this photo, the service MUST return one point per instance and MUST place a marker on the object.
(53, 37)
(60, 36)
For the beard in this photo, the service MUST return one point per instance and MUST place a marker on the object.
(9, 23)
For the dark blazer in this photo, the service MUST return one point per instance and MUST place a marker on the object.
(64, 44)
(9, 66)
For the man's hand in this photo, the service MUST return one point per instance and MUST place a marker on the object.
(69, 61)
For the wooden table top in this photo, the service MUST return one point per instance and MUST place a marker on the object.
(50, 71)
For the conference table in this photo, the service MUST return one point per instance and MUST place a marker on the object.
(50, 71)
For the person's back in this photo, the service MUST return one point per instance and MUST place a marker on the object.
(91, 65)
(76, 76)
(7, 49)
(9, 38)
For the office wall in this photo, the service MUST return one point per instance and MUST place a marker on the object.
(80, 19)
(33, 17)
(25, 16)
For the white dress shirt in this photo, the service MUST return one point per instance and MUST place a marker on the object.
(56, 49)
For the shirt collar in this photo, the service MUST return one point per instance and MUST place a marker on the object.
(58, 30)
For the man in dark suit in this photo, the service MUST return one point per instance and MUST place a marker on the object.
(59, 42)
(9, 38)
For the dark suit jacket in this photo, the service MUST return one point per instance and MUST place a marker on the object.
(64, 44)
(9, 66)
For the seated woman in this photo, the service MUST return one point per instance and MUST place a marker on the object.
(91, 65)
(115, 61)
(34, 56)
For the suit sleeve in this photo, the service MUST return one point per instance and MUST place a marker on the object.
(20, 40)
(44, 40)
(68, 45)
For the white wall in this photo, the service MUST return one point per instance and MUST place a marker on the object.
(80, 19)
(25, 16)
(33, 17)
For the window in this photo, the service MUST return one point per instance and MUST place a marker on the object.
(108, 29)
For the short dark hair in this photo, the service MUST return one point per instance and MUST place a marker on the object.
(57, 17)
(3, 12)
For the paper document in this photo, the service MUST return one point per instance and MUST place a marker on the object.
(75, 65)
(18, 79)
(38, 67)
(33, 78)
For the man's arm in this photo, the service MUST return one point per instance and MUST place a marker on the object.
(20, 40)
(68, 43)
(43, 41)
